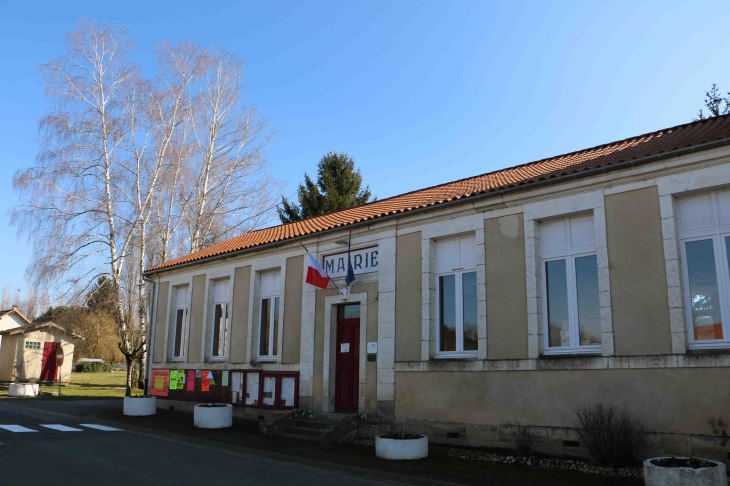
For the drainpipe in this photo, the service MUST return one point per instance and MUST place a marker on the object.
(150, 336)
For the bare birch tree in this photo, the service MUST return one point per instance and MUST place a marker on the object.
(29, 307)
(77, 212)
(230, 193)
(45, 302)
(7, 298)
(132, 172)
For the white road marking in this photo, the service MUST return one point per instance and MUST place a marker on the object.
(101, 427)
(61, 428)
(16, 428)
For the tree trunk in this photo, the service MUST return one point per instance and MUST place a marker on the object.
(142, 372)
(130, 365)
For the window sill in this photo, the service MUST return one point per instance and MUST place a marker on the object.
(266, 359)
(178, 360)
(573, 353)
(217, 359)
(460, 356)
(709, 348)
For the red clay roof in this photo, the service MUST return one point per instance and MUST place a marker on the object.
(654, 143)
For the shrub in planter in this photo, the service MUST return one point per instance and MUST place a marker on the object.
(140, 406)
(612, 436)
(401, 447)
(23, 389)
(212, 416)
(684, 471)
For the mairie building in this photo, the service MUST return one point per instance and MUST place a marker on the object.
(601, 275)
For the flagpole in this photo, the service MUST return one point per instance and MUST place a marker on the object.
(331, 280)
(350, 272)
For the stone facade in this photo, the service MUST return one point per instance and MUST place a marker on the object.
(644, 362)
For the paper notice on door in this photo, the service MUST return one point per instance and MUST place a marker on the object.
(344, 347)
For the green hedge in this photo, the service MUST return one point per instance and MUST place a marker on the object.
(92, 367)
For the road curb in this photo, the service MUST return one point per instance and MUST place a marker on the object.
(275, 456)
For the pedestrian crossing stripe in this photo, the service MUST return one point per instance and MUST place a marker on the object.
(58, 427)
(61, 428)
(101, 427)
(16, 428)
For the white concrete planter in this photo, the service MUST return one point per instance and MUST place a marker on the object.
(140, 406)
(401, 449)
(213, 417)
(23, 390)
(684, 476)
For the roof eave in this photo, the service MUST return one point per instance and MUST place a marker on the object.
(478, 196)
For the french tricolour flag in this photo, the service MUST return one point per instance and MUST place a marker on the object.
(316, 275)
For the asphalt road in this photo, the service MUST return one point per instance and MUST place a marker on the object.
(32, 453)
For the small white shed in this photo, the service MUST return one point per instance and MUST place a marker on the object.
(28, 353)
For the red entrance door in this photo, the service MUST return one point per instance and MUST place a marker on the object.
(49, 367)
(348, 358)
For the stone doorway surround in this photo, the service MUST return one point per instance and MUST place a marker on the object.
(329, 366)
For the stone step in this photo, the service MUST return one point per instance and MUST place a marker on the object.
(312, 438)
(313, 424)
(295, 429)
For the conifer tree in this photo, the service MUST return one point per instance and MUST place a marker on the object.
(715, 103)
(338, 186)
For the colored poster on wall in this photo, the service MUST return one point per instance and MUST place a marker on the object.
(191, 381)
(173, 380)
(198, 374)
(160, 382)
(211, 378)
(179, 379)
(205, 382)
(224, 379)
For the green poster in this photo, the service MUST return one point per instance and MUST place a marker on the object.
(224, 379)
(176, 379)
(173, 380)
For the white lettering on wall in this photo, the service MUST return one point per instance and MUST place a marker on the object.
(364, 260)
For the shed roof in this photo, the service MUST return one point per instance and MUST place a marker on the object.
(40, 325)
(698, 135)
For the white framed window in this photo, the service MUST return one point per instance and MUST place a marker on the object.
(570, 304)
(32, 345)
(456, 297)
(181, 322)
(704, 226)
(269, 314)
(220, 328)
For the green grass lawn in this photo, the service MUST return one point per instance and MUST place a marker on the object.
(90, 385)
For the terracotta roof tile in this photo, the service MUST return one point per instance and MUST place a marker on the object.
(682, 136)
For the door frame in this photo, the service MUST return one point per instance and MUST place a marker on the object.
(329, 362)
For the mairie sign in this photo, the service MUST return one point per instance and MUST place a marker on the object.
(364, 260)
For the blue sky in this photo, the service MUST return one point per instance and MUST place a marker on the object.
(417, 92)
